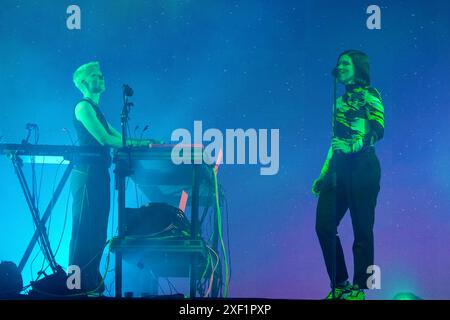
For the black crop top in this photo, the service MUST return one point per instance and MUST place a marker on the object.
(85, 138)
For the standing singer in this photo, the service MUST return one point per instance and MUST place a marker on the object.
(350, 176)
(90, 183)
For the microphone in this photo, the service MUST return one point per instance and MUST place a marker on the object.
(30, 127)
(127, 90)
(134, 132)
(143, 130)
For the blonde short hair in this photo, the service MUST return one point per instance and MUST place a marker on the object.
(83, 72)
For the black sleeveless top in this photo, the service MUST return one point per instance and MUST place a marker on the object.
(86, 139)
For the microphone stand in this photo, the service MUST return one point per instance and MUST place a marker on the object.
(124, 119)
(334, 205)
(122, 170)
(31, 201)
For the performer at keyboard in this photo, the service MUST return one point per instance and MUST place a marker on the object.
(90, 183)
(358, 125)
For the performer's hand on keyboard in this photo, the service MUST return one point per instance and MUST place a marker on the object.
(150, 142)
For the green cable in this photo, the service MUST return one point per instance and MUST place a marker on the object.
(219, 222)
(206, 268)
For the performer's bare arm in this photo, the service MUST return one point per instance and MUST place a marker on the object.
(87, 116)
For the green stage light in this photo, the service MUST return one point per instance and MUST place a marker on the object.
(406, 296)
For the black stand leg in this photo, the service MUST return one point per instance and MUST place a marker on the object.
(46, 214)
(121, 211)
(334, 205)
(39, 223)
(194, 230)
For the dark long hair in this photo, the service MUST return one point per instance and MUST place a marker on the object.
(361, 64)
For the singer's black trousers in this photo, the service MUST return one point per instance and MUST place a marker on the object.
(90, 188)
(356, 188)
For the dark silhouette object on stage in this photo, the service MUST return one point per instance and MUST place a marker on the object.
(51, 286)
(156, 220)
(157, 236)
(11, 282)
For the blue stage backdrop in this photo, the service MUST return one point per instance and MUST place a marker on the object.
(245, 64)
